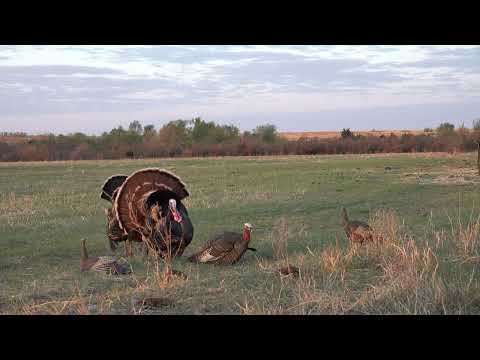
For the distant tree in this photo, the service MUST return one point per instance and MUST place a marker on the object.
(428, 130)
(476, 124)
(149, 131)
(445, 129)
(135, 127)
(202, 131)
(117, 131)
(175, 134)
(267, 132)
(210, 133)
(462, 130)
(229, 132)
(476, 137)
(346, 133)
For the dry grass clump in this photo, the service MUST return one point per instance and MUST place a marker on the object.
(279, 239)
(336, 261)
(465, 238)
(76, 304)
(386, 226)
(401, 274)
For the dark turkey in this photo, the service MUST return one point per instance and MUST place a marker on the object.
(225, 249)
(105, 264)
(356, 231)
(110, 187)
(147, 207)
(109, 191)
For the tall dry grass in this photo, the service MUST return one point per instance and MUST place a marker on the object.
(436, 273)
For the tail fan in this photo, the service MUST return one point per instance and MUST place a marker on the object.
(110, 186)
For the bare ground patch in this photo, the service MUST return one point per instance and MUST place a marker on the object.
(444, 175)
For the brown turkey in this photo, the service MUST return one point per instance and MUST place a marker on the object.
(105, 264)
(147, 207)
(356, 231)
(225, 249)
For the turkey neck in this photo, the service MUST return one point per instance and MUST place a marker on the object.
(246, 235)
(344, 217)
(83, 251)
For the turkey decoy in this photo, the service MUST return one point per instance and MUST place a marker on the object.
(225, 249)
(356, 231)
(102, 264)
(147, 206)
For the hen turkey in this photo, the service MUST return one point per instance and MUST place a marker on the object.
(105, 264)
(356, 231)
(225, 249)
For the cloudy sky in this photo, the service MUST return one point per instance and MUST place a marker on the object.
(64, 89)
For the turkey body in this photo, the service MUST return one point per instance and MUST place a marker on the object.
(180, 233)
(356, 231)
(223, 249)
(105, 264)
(114, 233)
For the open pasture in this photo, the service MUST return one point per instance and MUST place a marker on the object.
(425, 206)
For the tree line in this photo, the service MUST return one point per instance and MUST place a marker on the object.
(196, 138)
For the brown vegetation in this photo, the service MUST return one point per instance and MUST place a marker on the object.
(197, 138)
(296, 135)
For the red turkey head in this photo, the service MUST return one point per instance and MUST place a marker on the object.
(172, 205)
(246, 231)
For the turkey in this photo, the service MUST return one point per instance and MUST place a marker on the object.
(109, 191)
(147, 207)
(225, 249)
(356, 231)
(102, 264)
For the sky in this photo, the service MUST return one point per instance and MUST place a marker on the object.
(91, 89)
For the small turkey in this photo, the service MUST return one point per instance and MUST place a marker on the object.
(147, 207)
(356, 231)
(225, 249)
(105, 264)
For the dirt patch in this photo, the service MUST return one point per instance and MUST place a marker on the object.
(445, 175)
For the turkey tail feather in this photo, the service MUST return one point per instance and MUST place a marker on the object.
(110, 185)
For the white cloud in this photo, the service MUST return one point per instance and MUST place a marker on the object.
(235, 79)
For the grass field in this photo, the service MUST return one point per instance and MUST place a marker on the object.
(425, 207)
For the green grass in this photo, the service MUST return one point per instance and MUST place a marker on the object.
(46, 208)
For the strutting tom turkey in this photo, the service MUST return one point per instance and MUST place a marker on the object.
(147, 206)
